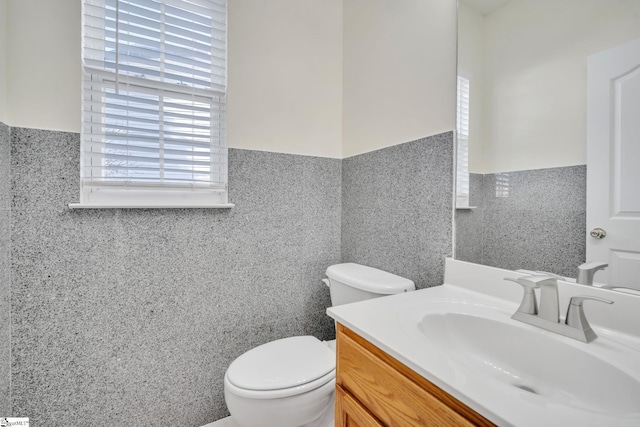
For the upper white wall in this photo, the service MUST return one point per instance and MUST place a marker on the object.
(288, 60)
(285, 72)
(3, 61)
(43, 73)
(285, 76)
(471, 63)
(399, 72)
(535, 77)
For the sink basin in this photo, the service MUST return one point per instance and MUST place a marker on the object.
(483, 340)
(460, 337)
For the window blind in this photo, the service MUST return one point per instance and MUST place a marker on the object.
(462, 132)
(154, 102)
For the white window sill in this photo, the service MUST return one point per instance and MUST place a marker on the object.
(465, 208)
(150, 206)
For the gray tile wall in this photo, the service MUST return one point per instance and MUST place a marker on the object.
(470, 222)
(534, 219)
(132, 316)
(396, 208)
(5, 271)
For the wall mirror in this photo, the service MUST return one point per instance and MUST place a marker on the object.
(522, 105)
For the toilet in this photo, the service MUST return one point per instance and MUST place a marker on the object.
(291, 382)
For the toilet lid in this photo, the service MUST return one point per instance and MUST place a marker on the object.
(284, 363)
(369, 279)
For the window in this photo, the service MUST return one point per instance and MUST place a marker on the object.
(462, 138)
(154, 104)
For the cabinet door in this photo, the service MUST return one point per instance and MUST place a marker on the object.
(349, 413)
(393, 394)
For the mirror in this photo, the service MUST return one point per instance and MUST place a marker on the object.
(526, 65)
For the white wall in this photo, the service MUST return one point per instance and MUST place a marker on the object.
(285, 76)
(399, 72)
(471, 62)
(285, 72)
(535, 77)
(3, 61)
(288, 60)
(43, 73)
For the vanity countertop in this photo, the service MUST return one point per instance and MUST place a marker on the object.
(393, 324)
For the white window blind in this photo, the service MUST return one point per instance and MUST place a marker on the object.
(154, 103)
(462, 132)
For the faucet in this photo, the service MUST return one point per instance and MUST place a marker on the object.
(587, 270)
(546, 314)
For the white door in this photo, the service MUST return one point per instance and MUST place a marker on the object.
(613, 163)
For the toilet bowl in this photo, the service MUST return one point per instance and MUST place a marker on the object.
(291, 382)
(286, 383)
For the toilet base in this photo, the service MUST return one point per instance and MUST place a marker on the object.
(311, 409)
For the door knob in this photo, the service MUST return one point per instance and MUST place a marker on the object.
(598, 233)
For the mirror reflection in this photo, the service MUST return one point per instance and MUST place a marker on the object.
(522, 106)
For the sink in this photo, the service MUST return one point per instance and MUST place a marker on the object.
(460, 337)
(481, 339)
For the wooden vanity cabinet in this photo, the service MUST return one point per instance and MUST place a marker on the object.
(351, 413)
(375, 390)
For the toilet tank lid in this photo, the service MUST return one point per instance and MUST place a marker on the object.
(280, 364)
(369, 279)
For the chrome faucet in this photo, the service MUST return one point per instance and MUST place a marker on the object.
(587, 270)
(546, 314)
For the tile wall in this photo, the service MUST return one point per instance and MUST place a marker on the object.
(132, 316)
(533, 219)
(5, 270)
(396, 208)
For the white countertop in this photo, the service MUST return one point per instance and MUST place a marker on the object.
(386, 323)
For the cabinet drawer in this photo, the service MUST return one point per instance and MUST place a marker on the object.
(350, 413)
(396, 395)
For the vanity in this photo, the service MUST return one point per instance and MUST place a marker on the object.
(452, 355)
(375, 389)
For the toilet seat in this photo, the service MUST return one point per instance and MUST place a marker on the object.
(326, 380)
(282, 368)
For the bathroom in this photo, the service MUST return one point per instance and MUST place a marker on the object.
(341, 149)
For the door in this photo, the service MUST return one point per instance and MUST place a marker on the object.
(613, 163)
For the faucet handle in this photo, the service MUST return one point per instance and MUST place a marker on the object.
(577, 319)
(528, 305)
(533, 282)
(541, 273)
(554, 275)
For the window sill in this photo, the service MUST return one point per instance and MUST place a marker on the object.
(150, 206)
(465, 208)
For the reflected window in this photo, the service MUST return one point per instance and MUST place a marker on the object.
(462, 138)
(502, 185)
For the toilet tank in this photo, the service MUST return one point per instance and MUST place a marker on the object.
(351, 282)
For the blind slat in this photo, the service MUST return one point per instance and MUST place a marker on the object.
(135, 141)
(143, 149)
(100, 79)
